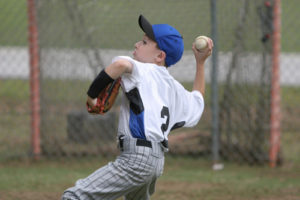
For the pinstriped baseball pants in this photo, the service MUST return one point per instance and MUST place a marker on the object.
(133, 175)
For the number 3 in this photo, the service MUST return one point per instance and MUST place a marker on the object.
(165, 113)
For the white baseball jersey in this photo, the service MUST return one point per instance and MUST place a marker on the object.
(154, 103)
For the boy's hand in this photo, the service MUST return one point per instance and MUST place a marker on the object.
(91, 102)
(203, 54)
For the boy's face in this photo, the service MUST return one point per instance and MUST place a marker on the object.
(146, 51)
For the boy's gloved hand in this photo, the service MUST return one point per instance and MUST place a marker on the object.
(106, 98)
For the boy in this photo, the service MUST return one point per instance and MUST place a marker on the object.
(153, 104)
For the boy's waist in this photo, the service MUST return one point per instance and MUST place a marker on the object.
(130, 144)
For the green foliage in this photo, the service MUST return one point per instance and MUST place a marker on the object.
(183, 178)
(13, 26)
(114, 23)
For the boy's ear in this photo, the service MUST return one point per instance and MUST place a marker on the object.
(161, 57)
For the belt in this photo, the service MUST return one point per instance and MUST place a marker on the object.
(143, 143)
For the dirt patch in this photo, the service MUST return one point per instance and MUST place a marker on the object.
(29, 195)
(180, 190)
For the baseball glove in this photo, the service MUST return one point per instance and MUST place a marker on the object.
(106, 98)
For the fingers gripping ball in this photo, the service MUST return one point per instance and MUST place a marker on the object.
(106, 98)
(201, 42)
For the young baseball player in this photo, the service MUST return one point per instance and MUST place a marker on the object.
(153, 104)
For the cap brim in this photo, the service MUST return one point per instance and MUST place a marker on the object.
(146, 27)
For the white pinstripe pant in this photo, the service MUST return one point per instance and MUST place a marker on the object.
(133, 175)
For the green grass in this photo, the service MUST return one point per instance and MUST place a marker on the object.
(113, 24)
(13, 26)
(183, 178)
(289, 97)
(15, 110)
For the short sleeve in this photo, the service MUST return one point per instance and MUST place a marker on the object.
(194, 110)
(130, 80)
(189, 107)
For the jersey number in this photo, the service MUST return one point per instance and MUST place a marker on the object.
(165, 113)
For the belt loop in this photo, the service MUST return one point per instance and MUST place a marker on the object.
(165, 145)
(121, 142)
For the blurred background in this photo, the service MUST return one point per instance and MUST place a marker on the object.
(51, 50)
(77, 38)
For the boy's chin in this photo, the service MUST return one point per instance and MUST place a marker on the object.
(137, 59)
(134, 56)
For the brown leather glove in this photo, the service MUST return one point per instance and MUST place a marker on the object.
(106, 98)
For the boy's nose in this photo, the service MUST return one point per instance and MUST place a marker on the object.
(137, 44)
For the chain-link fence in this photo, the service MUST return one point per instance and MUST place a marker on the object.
(14, 83)
(77, 38)
(245, 77)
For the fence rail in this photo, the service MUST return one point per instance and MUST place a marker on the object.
(78, 38)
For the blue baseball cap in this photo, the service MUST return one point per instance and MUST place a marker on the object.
(167, 38)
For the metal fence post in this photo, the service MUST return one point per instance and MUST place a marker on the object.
(275, 87)
(214, 84)
(34, 79)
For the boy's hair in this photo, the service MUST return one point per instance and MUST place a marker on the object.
(167, 38)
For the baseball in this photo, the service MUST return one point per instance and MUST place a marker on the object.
(201, 42)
